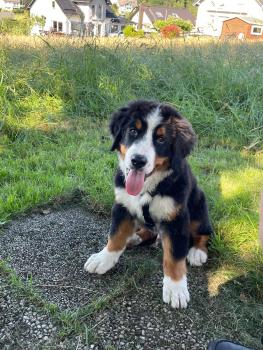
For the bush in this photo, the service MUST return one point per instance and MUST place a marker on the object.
(130, 31)
(21, 24)
(171, 31)
(186, 26)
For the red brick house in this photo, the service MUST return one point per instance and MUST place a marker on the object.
(242, 27)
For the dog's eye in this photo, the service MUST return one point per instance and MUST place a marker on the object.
(133, 132)
(160, 139)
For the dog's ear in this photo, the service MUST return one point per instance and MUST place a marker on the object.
(117, 126)
(184, 139)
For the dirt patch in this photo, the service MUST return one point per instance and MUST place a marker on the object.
(51, 249)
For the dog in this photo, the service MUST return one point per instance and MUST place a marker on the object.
(156, 190)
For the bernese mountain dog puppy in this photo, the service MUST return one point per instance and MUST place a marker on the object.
(156, 191)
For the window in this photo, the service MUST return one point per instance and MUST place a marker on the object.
(93, 10)
(57, 26)
(100, 11)
(256, 30)
(114, 28)
(53, 4)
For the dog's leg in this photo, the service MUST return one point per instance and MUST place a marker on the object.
(175, 246)
(122, 227)
(201, 230)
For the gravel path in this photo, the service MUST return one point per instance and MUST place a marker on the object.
(52, 248)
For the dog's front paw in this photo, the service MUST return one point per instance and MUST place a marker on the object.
(196, 257)
(175, 293)
(102, 262)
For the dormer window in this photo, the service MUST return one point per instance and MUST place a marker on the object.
(53, 4)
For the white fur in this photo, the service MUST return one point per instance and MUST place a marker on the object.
(175, 293)
(134, 240)
(196, 257)
(162, 208)
(144, 146)
(103, 261)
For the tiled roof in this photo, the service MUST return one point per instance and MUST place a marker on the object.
(250, 20)
(67, 6)
(162, 12)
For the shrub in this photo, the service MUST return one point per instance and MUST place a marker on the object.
(171, 31)
(130, 31)
(186, 26)
(21, 24)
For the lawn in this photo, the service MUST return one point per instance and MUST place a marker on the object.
(56, 97)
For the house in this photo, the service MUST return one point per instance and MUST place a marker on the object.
(114, 24)
(9, 5)
(86, 17)
(242, 28)
(145, 15)
(212, 13)
(127, 5)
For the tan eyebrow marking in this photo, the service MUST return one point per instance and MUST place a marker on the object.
(138, 124)
(161, 131)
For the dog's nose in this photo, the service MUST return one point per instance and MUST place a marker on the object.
(138, 161)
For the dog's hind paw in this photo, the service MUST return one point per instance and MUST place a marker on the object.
(102, 262)
(175, 293)
(196, 257)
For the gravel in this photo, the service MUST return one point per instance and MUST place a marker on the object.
(51, 248)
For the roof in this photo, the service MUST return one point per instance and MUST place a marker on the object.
(67, 6)
(110, 13)
(162, 12)
(198, 2)
(250, 20)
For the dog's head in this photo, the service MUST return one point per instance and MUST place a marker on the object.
(149, 136)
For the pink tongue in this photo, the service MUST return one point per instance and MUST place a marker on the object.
(134, 182)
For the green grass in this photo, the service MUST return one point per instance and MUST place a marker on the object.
(55, 102)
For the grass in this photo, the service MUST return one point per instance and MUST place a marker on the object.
(56, 96)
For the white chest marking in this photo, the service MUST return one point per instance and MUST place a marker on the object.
(160, 207)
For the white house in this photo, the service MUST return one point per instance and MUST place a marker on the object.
(9, 5)
(212, 13)
(127, 5)
(144, 16)
(72, 17)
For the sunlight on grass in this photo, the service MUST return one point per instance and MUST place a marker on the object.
(218, 278)
(241, 183)
(39, 112)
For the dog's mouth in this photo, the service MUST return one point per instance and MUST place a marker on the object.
(135, 180)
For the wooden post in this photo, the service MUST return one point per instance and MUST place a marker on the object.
(261, 220)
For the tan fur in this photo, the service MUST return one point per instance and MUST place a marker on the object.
(161, 131)
(200, 241)
(138, 124)
(118, 241)
(161, 163)
(123, 150)
(145, 234)
(175, 269)
(177, 210)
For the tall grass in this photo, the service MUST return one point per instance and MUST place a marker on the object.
(219, 87)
